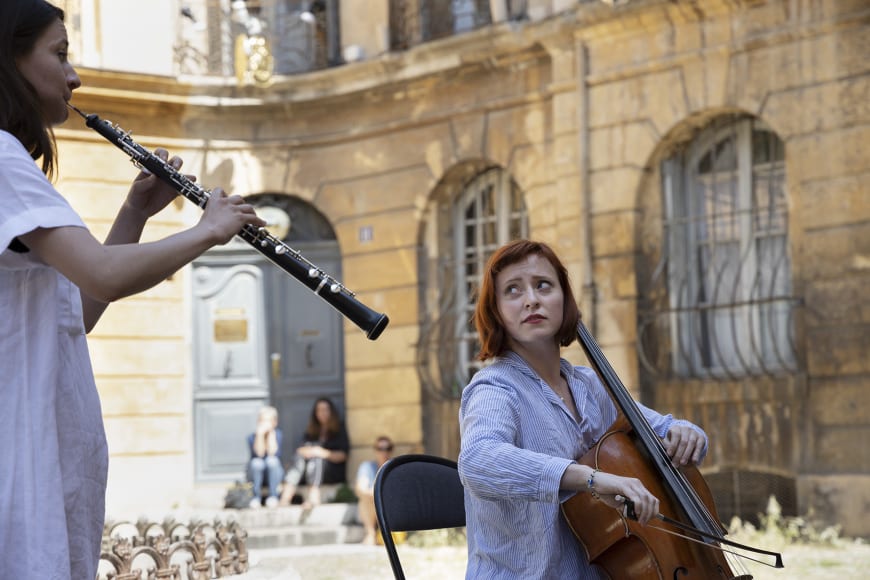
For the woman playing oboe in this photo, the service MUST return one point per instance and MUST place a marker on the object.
(56, 280)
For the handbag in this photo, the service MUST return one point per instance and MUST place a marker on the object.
(239, 495)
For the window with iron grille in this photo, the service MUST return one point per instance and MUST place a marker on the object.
(280, 37)
(491, 213)
(413, 22)
(479, 211)
(727, 256)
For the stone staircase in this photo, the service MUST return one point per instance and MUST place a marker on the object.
(278, 527)
(293, 526)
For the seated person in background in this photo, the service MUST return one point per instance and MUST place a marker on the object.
(265, 463)
(365, 487)
(322, 456)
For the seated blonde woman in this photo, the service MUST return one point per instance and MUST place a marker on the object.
(265, 463)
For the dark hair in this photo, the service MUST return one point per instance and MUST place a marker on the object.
(333, 425)
(21, 24)
(381, 440)
(488, 322)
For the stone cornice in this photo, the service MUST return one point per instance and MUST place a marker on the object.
(501, 46)
(496, 47)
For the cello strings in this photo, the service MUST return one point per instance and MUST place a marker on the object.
(631, 514)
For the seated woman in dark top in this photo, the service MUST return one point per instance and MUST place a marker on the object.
(322, 457)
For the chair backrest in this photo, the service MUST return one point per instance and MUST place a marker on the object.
(417, 492)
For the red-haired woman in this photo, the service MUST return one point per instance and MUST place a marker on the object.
(526, 417)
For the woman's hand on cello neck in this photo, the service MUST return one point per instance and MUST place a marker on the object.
(685, 445)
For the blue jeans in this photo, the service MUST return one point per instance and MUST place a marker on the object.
(268, 468)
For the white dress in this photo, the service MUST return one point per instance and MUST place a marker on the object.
(53, 452)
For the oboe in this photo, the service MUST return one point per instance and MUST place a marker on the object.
(279, 253)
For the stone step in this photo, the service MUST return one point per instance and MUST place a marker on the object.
(305, 535)
(325, 514)
(283, 526)
(332, 523)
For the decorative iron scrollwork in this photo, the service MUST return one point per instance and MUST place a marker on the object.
(173, 550)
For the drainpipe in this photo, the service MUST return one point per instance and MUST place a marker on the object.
(588, 290)
(333, 34)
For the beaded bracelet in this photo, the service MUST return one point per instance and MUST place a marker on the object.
(590, 483)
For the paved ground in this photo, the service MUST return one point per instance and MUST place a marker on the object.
(354, 561)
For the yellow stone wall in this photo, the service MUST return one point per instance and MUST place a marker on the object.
(802, 69)
(578, 109)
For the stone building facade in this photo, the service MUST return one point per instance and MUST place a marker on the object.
(701, 167)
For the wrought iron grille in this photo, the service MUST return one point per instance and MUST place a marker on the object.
(268, 37)
(413, 22)
(487, 213)
(720, 302)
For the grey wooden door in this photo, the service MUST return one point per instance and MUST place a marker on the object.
(306, 346)
(230, 371)
(261, 337)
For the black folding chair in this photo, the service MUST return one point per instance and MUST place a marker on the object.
(417, 492)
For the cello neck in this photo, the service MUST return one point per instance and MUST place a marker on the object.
(618, 392)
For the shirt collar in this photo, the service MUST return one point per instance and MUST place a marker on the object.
(519, 363)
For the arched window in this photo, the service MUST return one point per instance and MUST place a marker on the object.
(726, 252)
(490, 213)
(477, 210)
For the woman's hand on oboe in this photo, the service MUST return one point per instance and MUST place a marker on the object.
(226, 216)
(149, 194)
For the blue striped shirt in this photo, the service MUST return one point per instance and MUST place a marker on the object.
(518, 438)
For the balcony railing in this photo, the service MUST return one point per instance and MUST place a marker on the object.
(255, 39)
(413, 22)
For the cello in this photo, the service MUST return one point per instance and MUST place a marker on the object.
(686, 538)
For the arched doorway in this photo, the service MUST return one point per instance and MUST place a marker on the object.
(261, 337)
